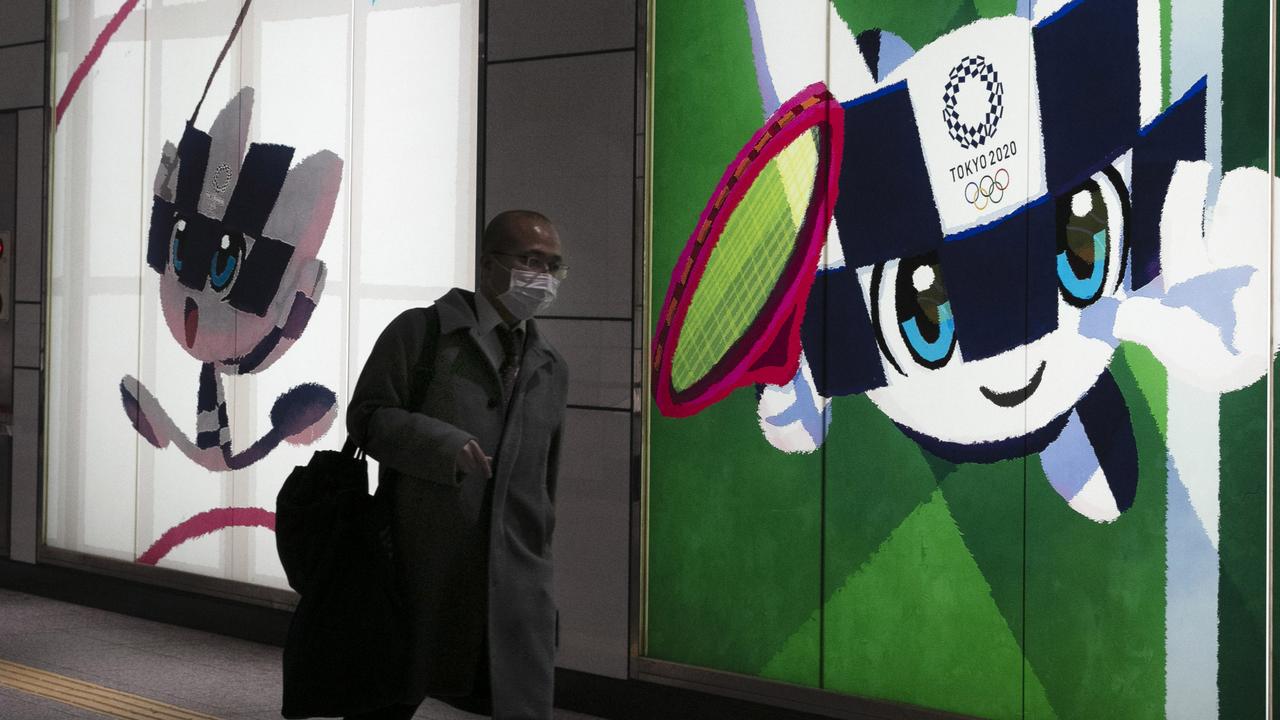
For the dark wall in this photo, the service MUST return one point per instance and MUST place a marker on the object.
(563, 134)
(23, 160)
(8, 207)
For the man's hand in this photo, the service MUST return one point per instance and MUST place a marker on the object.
(472, 460)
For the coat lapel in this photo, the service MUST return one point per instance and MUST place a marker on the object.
(457, 312)
(536, 353)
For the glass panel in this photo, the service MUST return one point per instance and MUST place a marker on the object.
(96, 267)
(923, 564)
(189, 375)
(173, 492)
(1240, 115)
(415, 215)
(735, 539)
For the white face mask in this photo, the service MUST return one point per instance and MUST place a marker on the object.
(529, 293)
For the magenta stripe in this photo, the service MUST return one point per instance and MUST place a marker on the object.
(94, 53)
(205, 523)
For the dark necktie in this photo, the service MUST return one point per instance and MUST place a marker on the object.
(512, 349)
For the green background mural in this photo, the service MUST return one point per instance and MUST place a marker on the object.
(871, 566)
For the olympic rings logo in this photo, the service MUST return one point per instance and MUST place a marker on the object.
(987, 191)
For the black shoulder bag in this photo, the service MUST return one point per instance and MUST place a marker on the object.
(347, 645)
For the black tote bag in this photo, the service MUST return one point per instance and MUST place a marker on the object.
(347, 643)
(347, 647)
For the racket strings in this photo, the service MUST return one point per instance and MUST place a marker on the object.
(747, 261)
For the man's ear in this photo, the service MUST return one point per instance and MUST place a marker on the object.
(486, 270)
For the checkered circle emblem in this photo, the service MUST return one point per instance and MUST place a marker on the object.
(973, 69)
(222, 177)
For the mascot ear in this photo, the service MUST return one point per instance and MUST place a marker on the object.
(305, 205)
(228, 137)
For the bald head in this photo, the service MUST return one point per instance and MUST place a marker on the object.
(511, 230)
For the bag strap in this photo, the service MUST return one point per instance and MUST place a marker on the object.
(351, 449)
(420, 375)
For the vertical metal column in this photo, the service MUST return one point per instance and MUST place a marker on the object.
(24, 96)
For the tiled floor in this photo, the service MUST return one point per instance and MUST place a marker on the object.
(225, 677)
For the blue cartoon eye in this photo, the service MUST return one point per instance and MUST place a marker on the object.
(924, 311)
(226, 260)
(179, 228)
(936, 350)
(1091, 258)
(1088, 220)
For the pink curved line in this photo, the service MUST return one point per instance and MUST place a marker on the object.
(90, 59)
(205, 523)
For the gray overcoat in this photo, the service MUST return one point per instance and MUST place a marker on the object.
(474, 555)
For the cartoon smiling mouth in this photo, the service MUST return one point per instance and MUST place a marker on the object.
(191, 321)
(1014, 398)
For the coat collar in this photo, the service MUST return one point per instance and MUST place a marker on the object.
(457, 312)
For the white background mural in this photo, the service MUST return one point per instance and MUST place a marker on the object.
(389, 86)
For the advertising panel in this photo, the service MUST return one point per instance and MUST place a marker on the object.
(960, 342)
(243, 195)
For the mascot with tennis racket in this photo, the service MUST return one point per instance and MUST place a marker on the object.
(965, 233)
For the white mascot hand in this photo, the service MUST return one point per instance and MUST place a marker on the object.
(794, 417)
(1206, 318)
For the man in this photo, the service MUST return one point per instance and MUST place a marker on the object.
(471, 469)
